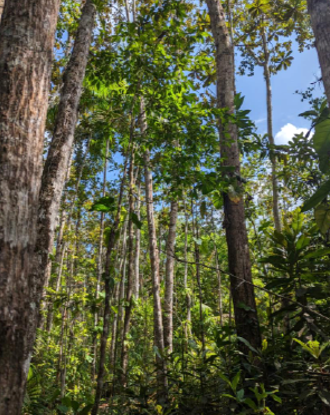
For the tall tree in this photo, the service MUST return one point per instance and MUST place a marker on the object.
(169, 276)
(59, 152)
(154, 261)
(27, 32)
(247, 324)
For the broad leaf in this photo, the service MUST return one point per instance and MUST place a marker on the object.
(317, 197)
(322, 217)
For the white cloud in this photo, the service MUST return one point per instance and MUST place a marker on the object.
(260, 120)
(287, 132)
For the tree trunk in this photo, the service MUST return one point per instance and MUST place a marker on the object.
(185, 275)
(154, 262)
(26, 51)
(169, 273)
(319, 11)
(108, 287)
(276, 211)
(55, 169)
(130, 277)
(137, 244)
(219, 286)
(99, 259)
(247, 324)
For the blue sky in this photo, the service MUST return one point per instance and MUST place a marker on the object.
(286, 104)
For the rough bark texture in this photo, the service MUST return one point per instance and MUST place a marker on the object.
(319, 11)
(26, 43)
(169, 276)
(54, 173)
(247, 325)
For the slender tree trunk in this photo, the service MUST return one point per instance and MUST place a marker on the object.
(219, 286)
(27, 31)
(169, 276)
(319, 11)
(276, 211)
(130, 277)
(154, 262)
(99, 259)
(137, 244)
(247, 324)
(117, 319)
(198, 279)
(108, 287)
(185, 276)
(54, 173)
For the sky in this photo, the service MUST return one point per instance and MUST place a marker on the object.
(286, 104)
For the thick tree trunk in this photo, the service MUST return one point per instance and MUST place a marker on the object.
(319, 11)
(154, 262)
(169, 276)
(27, 31)
(108, 287)
(247, 324)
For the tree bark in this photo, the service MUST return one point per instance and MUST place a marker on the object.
(99, 259)
(319, 11)
(137, 244)
(276, 211)
(130, 277)
(185, 275)
(154, 262)
(54, 173)
(108, 287)
(219, 286)
(247, 324)
(26, 52)
(169, 274)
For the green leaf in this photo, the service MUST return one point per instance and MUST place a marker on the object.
(318, 253)
(322, 217)
(325, 397)
(63, 409)
(136, 220)
(86, 410)
(317, 197)
(235, 381)
(240, 395)
(247, 344)
(251, 404)
(104, 204)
